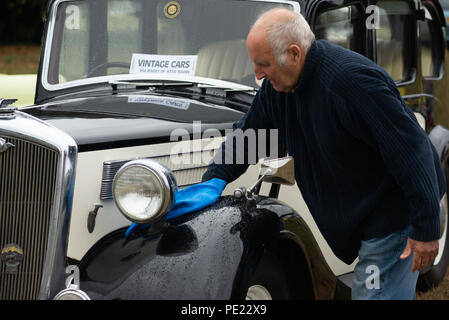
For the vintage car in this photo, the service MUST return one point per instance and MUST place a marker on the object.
(132, 100)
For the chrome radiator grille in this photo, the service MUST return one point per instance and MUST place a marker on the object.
(27, 185)
(188, 168)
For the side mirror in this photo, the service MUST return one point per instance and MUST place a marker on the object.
(279, 171)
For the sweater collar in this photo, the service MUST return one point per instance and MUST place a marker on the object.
(312, 60)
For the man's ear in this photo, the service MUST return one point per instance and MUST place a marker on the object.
(294, 53)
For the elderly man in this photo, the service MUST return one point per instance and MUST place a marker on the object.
(367, 171)
(369, 174)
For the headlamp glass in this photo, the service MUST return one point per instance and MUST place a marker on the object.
(138, 193)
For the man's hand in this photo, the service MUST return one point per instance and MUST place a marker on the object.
(190, 199)
(424, 252)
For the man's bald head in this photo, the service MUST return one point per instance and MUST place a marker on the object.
(277, 44)
(282, 27)
(273, 16)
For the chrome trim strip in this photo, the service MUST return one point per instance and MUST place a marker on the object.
(419, 95)
(110, 168)
(59, 228)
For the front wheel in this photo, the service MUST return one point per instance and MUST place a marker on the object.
(269, 280)
(258, 292)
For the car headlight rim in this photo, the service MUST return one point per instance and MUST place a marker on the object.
(164, 178)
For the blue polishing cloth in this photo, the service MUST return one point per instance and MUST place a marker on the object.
(190, 199)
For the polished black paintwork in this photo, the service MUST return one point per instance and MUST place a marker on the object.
(112, 120)
(210, 254)
(196, 257)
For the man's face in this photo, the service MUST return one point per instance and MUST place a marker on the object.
(283, 79)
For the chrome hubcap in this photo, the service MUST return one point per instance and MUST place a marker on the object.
(258, 292)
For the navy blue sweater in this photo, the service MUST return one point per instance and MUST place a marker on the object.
(362, 162)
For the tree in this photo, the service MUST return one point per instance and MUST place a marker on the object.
(21, 21)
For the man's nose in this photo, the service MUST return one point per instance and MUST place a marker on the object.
(259, 73)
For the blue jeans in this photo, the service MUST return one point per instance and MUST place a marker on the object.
(380, 274)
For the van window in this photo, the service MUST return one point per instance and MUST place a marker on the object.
(340, 26)
(395, 23)
(426, 46)
(431, 53)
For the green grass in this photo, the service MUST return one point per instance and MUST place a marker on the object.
(19, 59)
(18, 69)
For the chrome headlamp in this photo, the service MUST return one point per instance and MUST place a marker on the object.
(144, 190)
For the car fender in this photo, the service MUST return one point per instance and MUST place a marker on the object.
(204, 255)
(308, 273)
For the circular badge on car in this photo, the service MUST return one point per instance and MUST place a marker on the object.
(12, 257)
(172, 9)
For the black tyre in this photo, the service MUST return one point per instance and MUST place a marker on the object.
(269, 280)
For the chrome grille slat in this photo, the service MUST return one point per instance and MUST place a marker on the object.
(188, 168)
(28, 174)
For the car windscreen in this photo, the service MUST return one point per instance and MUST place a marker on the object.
(190, 38)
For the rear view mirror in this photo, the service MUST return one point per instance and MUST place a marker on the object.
(280, 171)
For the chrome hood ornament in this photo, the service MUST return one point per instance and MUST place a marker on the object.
(7, 111)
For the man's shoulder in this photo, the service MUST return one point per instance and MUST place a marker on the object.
(342, 66)
(329, 49)
(343, 61)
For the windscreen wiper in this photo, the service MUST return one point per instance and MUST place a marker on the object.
(117, 84)
(236, 99)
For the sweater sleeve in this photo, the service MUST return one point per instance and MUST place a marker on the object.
(235, 154)
(371, 109)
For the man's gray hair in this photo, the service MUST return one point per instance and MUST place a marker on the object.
(293, 29)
